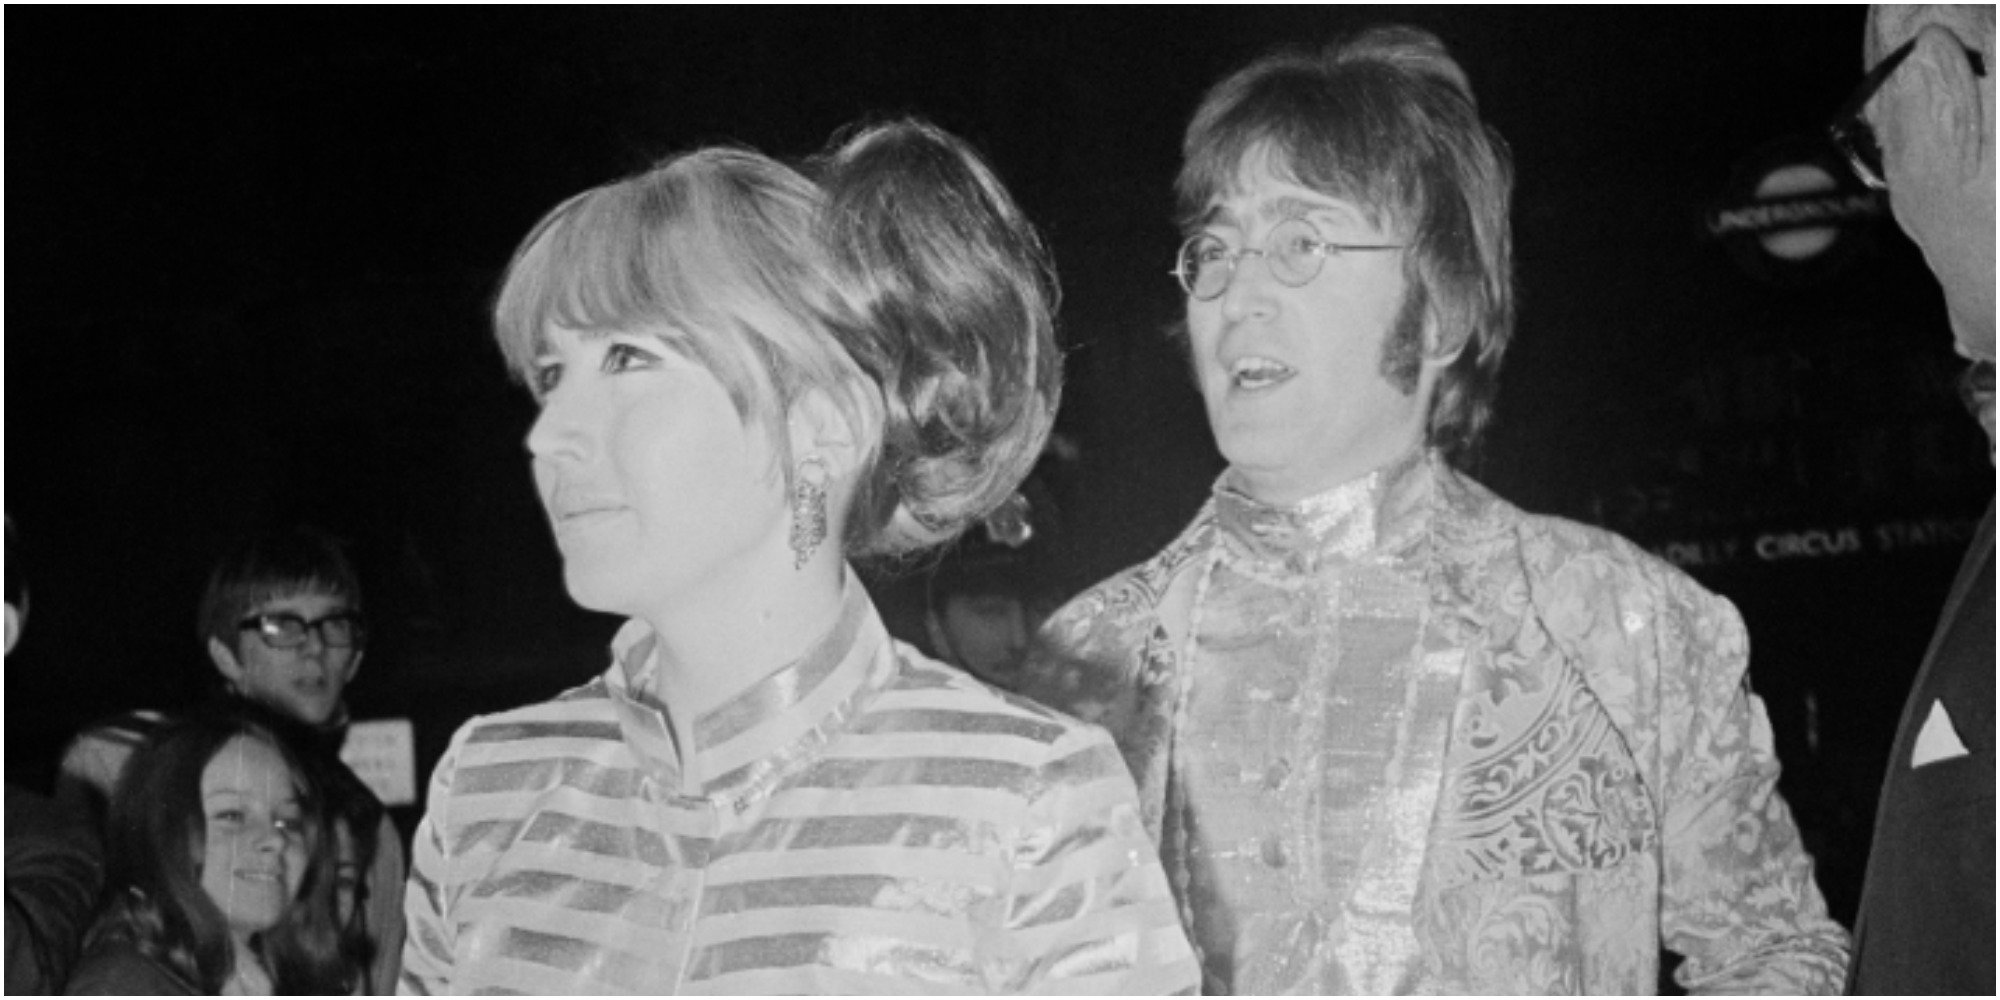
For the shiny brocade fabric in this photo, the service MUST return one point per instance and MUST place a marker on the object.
(1306, 785)
(1430, 743)
(860, 821)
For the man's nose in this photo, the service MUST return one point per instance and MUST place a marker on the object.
(1248, 293)
(314, 643)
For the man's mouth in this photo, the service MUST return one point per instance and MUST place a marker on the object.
(1253, 372)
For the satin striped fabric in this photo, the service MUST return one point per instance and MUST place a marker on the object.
(861, 821)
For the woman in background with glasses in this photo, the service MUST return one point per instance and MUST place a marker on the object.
(747, 377)
(281, 620)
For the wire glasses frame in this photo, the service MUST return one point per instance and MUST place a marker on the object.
(284, 630)
(1293, 251)
(1850, 131)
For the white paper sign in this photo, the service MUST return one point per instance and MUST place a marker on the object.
(383, 753)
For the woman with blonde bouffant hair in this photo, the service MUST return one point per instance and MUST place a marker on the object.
(748, 375)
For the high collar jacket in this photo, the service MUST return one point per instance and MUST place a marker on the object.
(1605, 780)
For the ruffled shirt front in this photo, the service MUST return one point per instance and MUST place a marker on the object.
(1308, 762)
(858, 821)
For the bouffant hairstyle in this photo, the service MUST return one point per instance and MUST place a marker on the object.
(270, 565)
(1385, 119)
(153, 843)
(892, 273)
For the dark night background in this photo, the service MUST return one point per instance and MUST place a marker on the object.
(248, 258)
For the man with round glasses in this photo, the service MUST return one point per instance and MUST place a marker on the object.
(1391, 733)
(1921, 126)
(281, 620)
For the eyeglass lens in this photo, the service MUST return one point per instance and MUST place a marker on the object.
(1851, 131)
(285, 631)
(1293, 251)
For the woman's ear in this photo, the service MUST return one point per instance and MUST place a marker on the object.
(841, 425)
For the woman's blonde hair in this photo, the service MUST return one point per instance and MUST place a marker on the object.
(899, 277)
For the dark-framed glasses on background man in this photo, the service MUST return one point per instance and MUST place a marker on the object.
(1850, 130)
(1294, 251)
(284, 630)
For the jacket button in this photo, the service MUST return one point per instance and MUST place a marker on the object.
(1275, 775)
(1273, 852)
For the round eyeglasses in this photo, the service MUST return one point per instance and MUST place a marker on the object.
(1293, 251)
(284, 630)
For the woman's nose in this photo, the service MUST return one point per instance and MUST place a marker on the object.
(556, 430)
(270, 838)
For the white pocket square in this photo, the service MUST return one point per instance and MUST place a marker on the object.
(1938, 740)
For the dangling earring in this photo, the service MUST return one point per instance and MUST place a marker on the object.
(808, 509)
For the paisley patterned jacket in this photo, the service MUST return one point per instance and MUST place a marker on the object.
(1608, 787)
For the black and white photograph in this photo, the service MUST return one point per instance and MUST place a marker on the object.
(1232, 499)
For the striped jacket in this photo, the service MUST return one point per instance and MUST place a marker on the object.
(862, 820)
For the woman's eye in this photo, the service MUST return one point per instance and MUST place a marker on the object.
(621, 356)
(545, 376)
(227, 816)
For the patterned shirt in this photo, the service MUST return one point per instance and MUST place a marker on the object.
(1404, 737)
(861, 820)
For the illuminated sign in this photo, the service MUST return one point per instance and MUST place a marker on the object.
(1828, 542)
(1791, 214)
(383, 754)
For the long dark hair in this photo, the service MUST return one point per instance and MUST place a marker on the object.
(154, 896)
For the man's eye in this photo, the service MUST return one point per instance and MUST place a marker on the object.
(1298, 247)
(1210, 253)
(282, 624)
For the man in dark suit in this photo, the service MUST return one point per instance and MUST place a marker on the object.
(1922, 128)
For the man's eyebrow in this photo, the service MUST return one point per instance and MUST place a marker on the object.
(1277, 209)
(1292, 206)
(1218, 214)
(1296, 207)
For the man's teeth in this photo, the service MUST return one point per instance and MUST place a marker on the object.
(1255, 373)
